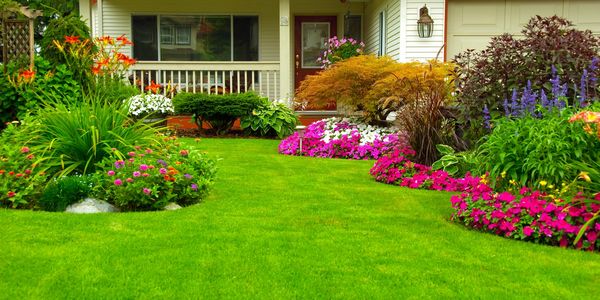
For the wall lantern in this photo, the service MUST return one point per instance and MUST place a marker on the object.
(425, 23)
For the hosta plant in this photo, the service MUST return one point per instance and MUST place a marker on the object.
(270, 119)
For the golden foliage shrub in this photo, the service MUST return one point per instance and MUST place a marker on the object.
(368, 84)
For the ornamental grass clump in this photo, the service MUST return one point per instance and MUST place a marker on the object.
(343, 138)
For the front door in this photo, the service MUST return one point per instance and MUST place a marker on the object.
(311, 35)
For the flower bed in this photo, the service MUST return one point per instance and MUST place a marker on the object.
(527, 215)
(343, 138)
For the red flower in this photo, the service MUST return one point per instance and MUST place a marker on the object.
(107, 40)
(154, 87)
(11, 194)
(25, 150)
(71, 39)
(103, 62)
(124, 41)
(27, 75)
(2, 172)
(11, 173)
(30, 156)
(97, 70)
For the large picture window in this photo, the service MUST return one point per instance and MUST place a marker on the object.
(197, 38)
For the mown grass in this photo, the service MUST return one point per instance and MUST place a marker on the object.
(282, 227)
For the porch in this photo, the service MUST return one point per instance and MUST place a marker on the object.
(195, 46)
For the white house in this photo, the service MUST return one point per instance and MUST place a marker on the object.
(270, 45)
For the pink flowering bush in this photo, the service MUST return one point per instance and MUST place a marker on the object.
(338, 50)
(342, 138)
(522, 214)
(149, 179)
(22, 177)
(398, 169)
(529, 215)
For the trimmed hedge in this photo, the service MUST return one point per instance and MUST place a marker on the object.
(219, 111)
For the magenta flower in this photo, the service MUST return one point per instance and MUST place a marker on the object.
(194, 187)
(137, 174)
(163, 171)
(118, 182)
(110, 173)
(131, 153)
(147, 191)
(143, 167)
(119, 164)
(527, 231)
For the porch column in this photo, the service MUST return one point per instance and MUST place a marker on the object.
(85, 12)
(285, 51)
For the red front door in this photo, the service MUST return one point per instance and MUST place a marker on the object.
(310, 41)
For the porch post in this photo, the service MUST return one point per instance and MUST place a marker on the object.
(285, 49)
(85, 12)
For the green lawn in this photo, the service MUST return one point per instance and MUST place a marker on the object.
(283, 227)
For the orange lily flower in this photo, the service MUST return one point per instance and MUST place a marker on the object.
(71, 39)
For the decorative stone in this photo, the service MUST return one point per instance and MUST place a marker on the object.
(91, 206)
(172, 206)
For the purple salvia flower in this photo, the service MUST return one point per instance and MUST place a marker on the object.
(486, 117)
(544, 99)
(583, 89)
(514, 104)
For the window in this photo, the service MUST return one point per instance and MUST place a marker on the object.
(197, 38)
(382, 34)
(353, 27)
(145, 37)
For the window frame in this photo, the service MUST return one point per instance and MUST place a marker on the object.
(382, 19)
(362, 32)
(232, 35)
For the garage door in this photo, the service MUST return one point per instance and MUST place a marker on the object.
(471, 23)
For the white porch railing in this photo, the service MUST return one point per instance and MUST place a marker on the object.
(262, 77)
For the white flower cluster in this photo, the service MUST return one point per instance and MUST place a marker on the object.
(147, 104)
(335, 128)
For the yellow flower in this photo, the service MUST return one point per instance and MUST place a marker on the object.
(551, 186)
(543, 183)
(503, 174)
(585, 176)
(513, 182)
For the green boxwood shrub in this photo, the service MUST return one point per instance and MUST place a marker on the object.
(219, 111)
(64, 191)
(270, 120)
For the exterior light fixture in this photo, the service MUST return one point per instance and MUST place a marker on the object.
(425, 23)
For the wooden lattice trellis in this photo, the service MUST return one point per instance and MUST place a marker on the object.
(17, 34)
(15, 39)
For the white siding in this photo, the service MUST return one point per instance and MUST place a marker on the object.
(471, 24)
(391, 8)
(424, 48)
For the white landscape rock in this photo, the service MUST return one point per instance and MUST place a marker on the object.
(172, 206)
(91, 206)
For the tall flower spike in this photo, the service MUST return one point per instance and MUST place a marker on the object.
(514, 104)
(583, 89)
(486, 117)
